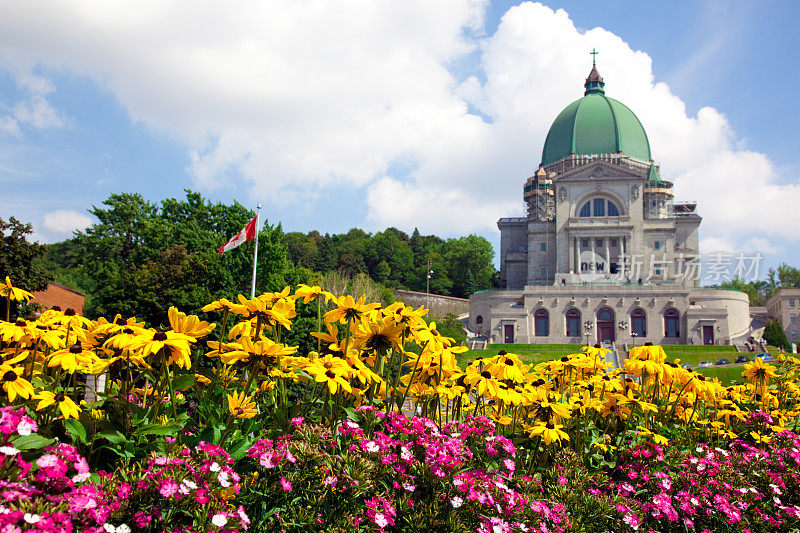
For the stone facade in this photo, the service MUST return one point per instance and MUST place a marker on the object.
(438, 305)
(603, 248)
(784, 306)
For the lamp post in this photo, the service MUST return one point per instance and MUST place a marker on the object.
(428, 286)
(633, 336)
(588, 325)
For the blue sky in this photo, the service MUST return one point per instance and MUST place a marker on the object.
(357, 114)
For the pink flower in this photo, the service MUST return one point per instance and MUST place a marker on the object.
(298, 420)
(562, 480)
(286, 484)
(168, 488)
(201, 497)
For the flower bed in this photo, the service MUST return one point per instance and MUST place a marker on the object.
(245, 433)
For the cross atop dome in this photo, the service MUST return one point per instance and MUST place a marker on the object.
(594, 83)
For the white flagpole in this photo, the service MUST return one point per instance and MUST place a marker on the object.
(255, 255)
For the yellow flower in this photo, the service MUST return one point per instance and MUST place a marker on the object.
(65, 404)
(72, 358)
(11, 292)
(349, 309)
(222, 303)
(241, 406)
(175, 344)
(549, 432)
(658, 439)
(14, 385)
(263, 350)
(335, 381)
(188, 325)
(309, 294)
(758, 371)
(379, 335)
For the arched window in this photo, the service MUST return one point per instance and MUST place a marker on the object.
(605, 314)
(671, 323)
(573, 323)
(639, 323)
(599, 207)
(541, 323)
(479, 319)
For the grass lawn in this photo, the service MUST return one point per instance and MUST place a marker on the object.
(528, 353)
(728, 375)
(693, 354)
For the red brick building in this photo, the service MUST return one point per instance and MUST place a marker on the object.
(60, 296)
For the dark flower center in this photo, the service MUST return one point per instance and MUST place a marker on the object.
(58, 398)
(56, 308)
(330, 374)
(76, 348)
(121, 322)
(239, 411)
(10, 376)
(550, 425)
(502, 352)
(21, 323)
(486, 374)
(160, 336)
(127, 331)
(509, 362)
(328, 365)
(70, 312)
(565, 359)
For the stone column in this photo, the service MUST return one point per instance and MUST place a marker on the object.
(577, 253)
(594, 261)
(608, 255)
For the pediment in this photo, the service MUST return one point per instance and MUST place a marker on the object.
(599, 170)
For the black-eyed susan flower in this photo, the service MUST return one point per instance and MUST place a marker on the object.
(14, 384)
(758, 371)
(549, 432)
(309, 294)
(175, 344)
(349, 310)
(64, 403)
(72, 358)
(241, 406)
(188, 324)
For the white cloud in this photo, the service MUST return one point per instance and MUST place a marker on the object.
(66, 221)
(10, 126)
(293, 95)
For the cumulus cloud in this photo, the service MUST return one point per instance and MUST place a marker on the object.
(295, 95)
(66, 221)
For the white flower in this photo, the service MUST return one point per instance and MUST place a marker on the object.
(371, 446)
(25, 427)
(380, 520)
(123, 528)
(110, 528)
(219, 519)
(223, 479)
(456, 502)
(214, 467)
(406, 454)
(31, 518)
(8, 450)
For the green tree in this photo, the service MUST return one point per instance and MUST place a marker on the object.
(20, 260)
(470, 266)
(142, 257)
(775, 335)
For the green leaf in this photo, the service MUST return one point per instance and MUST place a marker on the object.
(76, 431)
(114, 437)
(182, 381)
(31, 442)
(157, 429)
(239, 448)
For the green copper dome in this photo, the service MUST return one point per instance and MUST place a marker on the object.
(595, 124)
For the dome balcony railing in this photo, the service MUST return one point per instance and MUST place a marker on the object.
(578, 160)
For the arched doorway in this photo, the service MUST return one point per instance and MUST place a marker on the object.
(605, 325)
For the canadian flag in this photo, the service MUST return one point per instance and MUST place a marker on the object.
(248, 233)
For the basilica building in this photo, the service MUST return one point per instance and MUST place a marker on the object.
(605, 253)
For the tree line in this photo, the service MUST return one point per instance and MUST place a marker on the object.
(457, 267)
(141, 257)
